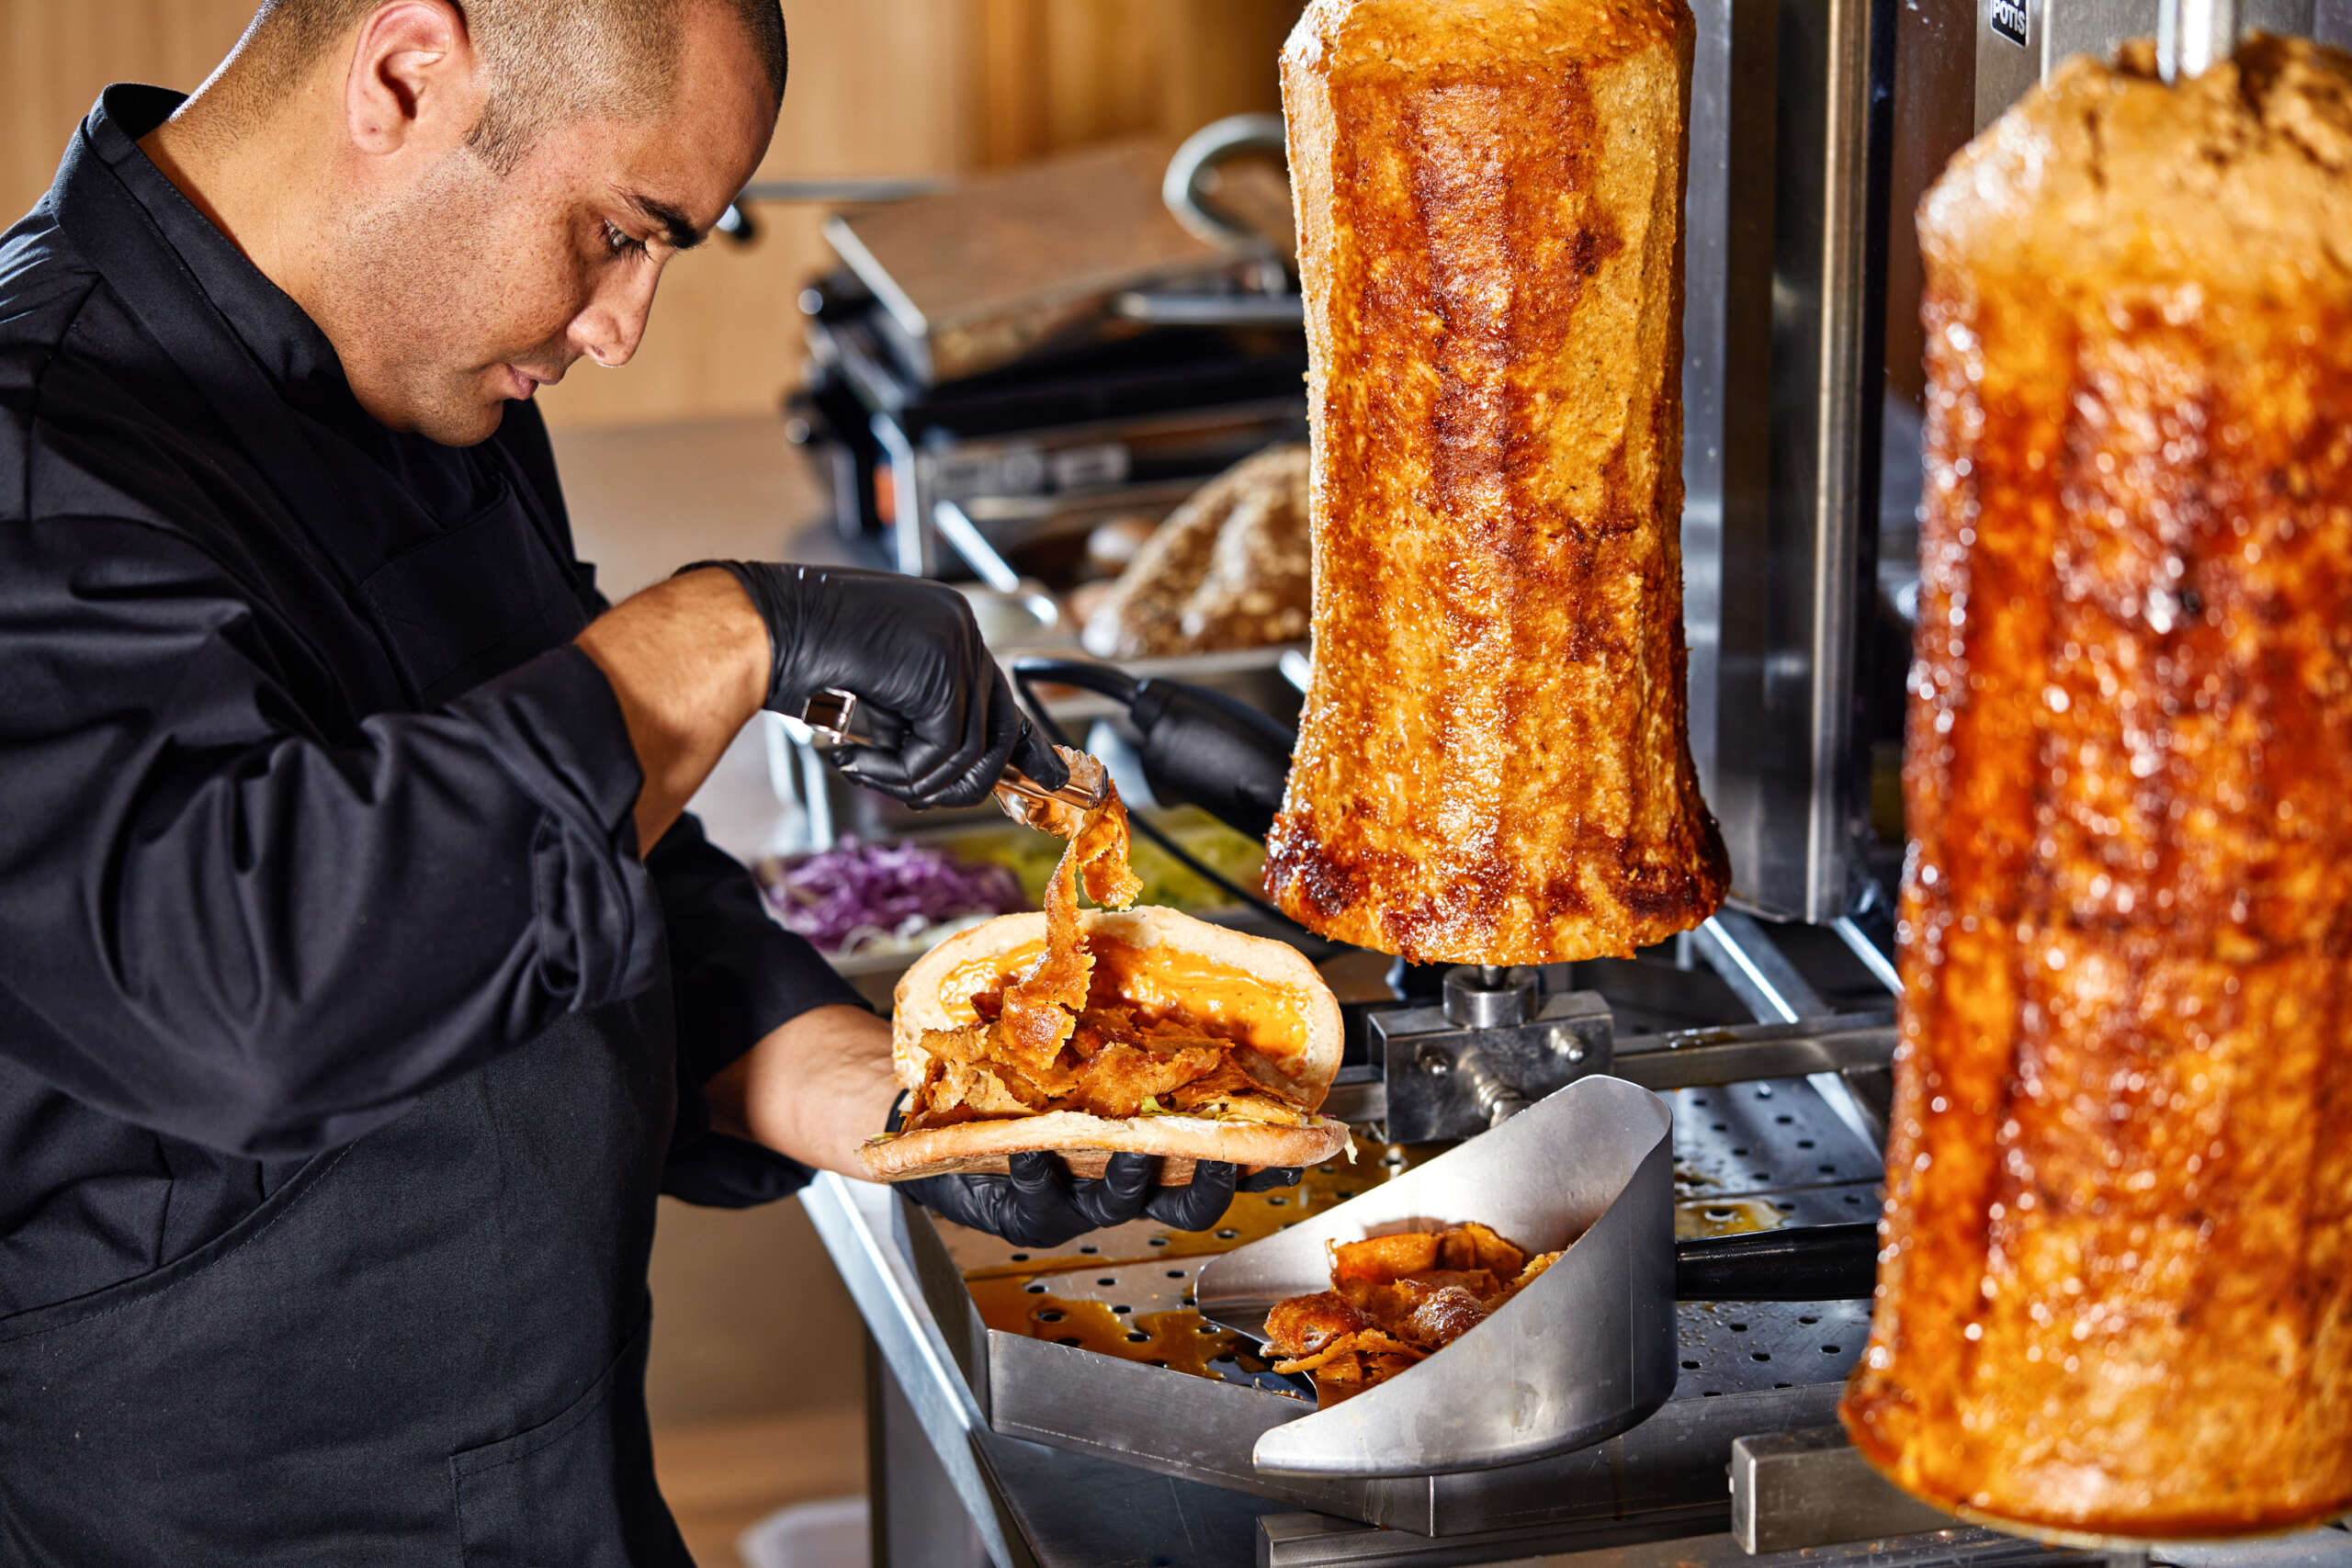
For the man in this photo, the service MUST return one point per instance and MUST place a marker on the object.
(345, 1037)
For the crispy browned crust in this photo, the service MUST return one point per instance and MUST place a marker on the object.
(2115, 1293)
(1493, 764)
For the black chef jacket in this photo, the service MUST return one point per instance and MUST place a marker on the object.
(310, 811)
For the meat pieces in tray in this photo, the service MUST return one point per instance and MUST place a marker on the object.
(1394, 1301)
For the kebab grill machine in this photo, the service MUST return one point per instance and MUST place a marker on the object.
(1707, 1119)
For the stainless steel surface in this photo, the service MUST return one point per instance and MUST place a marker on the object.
(1706, 257)
(1873, 957)
(1844, 439)
(2020, 42)
(1739, 948)
(1306, 1541)
(1851, 1045)
(964, 537)
(843, 189)
(2192, 35)
(1747, 1155)
(1026, 488)
(1790, 1490)
(1780, 441)
(1025, 618)
(2327, 1547)
(1168, 307)
(917, 1517)
(1446, 1080)
(1313, 1540)
(1589, 1169)
(857, 1222)
(1690, 1058)
(1297, 667)
(914, 549)
(1734, 947)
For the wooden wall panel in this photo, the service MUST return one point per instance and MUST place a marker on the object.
(56, 54)
(878, 86)
(1059, 74)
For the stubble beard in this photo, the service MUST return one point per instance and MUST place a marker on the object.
(411, 297)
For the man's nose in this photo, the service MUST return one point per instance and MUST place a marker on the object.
(609, 329)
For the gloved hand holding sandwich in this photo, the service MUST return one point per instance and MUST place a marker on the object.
(1116, 1031)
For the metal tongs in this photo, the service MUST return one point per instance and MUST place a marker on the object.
(832, 719)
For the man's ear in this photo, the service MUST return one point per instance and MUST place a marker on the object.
(416, 82)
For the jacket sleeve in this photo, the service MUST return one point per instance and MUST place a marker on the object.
(737, 975)
(220, 923)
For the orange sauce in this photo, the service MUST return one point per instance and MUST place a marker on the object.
(1161, 979)
(980, 977)
(1725, 1216)
(1222, 995)
(1182, 1340)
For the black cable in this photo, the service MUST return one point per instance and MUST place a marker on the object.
(1104, 680)
(1110, 681)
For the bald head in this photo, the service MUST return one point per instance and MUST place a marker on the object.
(469, 195)
(551, 62)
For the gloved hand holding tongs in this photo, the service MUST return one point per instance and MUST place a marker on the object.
(893, 673)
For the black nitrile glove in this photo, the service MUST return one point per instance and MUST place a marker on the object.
(943, 721)
(1041, 1204)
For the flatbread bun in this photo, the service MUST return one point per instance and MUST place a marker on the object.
(937, 994)
(1087, 1143)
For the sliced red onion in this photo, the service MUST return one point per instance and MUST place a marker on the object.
(855, 894)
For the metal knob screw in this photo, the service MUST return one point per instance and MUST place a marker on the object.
(1498, 1098)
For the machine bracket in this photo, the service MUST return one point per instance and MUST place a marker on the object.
(1450, 1079)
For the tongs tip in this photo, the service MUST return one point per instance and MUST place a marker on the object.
(830, 715)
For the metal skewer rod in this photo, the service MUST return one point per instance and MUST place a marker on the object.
(2192, 35)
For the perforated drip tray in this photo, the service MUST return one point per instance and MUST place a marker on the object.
(1094, 1346)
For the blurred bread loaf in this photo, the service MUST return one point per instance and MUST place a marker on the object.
(2115, 1296)
(1229, 569)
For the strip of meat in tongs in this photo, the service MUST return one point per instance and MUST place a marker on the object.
(1041, 1009)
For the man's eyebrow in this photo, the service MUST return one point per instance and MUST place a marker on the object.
(677, 229)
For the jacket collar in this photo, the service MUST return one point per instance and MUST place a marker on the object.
(285, 343)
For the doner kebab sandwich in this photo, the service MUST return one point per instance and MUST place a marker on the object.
(1092, 1031)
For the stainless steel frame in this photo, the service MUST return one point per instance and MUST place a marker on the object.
(1014, 489)
(2019, 42)
(1781, 283)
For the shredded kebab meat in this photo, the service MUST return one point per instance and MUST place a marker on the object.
(1061, 1037)
(1394, 1301)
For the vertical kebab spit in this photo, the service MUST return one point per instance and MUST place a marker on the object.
(2116, 1285)
(1493, 763)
